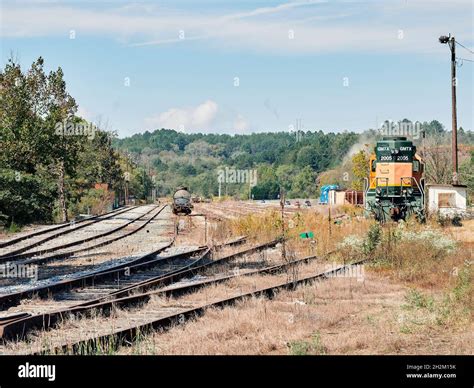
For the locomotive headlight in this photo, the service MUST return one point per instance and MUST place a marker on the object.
(378, 191)
(410, 191)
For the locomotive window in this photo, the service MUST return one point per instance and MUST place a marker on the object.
(416, 166)
(372, 167)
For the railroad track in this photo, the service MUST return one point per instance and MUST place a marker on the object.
(10, 324)
(54, 228)
(119, 275)
(93, 235)
(221, 212)
(84, 279)
(140, 322)
(63, 230)
(105, 283)
(69, 253)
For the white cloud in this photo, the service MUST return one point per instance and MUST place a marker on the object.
(271, 10)
(205, 117)
(204, 114)
(199, 118)
(240, 124)
(316, 28)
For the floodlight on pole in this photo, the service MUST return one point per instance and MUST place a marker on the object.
(452, 46)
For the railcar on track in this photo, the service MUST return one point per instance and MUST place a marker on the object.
(182, 201)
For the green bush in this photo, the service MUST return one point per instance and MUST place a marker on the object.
(25, 198)
(303, 348)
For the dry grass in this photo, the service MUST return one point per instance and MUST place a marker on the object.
(413, 303)
(238, 286)
(422, 256)
(268, 225)
(72, 330)
(258, 227)
(416, 297)
(341, 316)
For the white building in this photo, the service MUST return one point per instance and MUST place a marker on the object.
(336, 197)
(448, 200)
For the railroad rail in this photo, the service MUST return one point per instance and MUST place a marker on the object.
(125, 336)
(10, 255)
(114, 278)
(195, 267)
(64, 255)
(198, 267)
(18, 326)
(16, 240)
(92, 277)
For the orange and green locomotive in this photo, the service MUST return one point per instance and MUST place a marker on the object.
(396, 185)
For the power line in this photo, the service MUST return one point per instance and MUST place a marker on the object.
(464, 59)
(468, 49)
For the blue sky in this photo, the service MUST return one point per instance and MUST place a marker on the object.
(249, 66)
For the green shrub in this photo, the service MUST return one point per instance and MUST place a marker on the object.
(303, 348)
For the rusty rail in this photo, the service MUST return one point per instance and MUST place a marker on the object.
(11, 255)
(15, 240)
(168, 278)
(46, 259)
(128, 335)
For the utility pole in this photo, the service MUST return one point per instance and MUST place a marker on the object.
(283, 232)
(144, 183)
(127, 178)
(454, 142)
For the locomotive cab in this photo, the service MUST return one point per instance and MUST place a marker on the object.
(396, 187)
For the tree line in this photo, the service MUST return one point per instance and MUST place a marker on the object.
(55, 165)
(299, 163)
(291, 161)
(51, 160)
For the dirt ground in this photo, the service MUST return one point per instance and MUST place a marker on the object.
(373, 313)
(339, 316)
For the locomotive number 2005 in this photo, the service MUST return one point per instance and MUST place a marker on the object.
(387, 197)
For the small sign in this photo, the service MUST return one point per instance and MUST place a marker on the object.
(307, 235)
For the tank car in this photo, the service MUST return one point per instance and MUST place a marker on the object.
(182, 201)
(395, 188)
